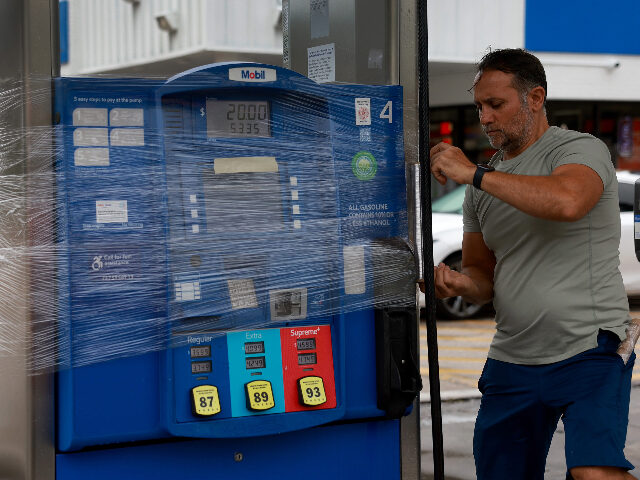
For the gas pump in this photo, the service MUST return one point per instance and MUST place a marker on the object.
(236, 294)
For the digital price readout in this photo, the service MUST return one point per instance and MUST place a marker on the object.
(201, 352)
(237, 118)
(307, 359)
(306, 344)
(201, 367)
(253, 347)
(255, 362)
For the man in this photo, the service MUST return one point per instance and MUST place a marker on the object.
(541, 236)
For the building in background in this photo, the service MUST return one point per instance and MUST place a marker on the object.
(590, 51)
(165, 37)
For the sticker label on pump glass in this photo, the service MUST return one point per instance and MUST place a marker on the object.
(311, 391)
(259, 395)
(205, 400)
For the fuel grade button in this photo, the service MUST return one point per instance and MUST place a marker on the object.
(311, 391)
(259, 395)
(205, 400)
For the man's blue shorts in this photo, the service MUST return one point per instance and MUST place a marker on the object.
(521, 406)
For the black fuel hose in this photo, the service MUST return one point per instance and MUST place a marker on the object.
(427, 239)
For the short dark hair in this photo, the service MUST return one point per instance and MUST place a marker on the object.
(527, 70)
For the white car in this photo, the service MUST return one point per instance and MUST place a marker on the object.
(447, 243)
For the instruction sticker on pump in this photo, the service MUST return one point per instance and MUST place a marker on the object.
(206, 401)
(111, 211)
(259, 395)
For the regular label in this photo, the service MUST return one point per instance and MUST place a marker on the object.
(259, 395)
(206, 401)
(311, 391)
(111, 211)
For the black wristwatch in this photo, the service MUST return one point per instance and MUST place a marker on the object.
(481, 169)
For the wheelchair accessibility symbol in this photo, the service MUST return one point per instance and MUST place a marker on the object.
(97, 263)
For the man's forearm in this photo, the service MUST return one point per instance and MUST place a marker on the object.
(480, 290)
(548, 197)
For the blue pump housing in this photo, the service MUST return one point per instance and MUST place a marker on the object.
(176, 232)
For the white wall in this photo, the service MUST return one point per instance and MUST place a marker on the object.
(241, 25)
(592, 77)
(463, 30)
(110, 35)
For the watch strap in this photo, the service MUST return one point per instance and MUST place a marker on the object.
(481, 169)
(477, 177)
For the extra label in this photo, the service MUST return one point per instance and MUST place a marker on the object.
(206, 401)
(311, 391)
(259, 396)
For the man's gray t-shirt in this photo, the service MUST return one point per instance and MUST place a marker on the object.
(555, 283)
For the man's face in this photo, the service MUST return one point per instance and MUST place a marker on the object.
(505, 118)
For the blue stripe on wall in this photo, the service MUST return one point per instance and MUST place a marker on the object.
(64, 31)
(583, 26)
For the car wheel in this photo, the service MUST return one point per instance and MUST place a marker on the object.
(456, 308)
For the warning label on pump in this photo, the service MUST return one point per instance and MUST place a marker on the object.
(321, 66)
(111, 211)
(370, 215)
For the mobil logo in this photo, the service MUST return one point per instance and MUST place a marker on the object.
(252, 74)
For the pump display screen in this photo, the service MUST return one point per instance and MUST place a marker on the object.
(237, 118)
(306, 344)
(199, 352)
(255, 362)
(307, 359)
(254, 347)
(242, 202)
(201, 367)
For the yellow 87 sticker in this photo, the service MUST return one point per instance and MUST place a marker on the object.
(205, 400)
(311, 391)
(259, 395)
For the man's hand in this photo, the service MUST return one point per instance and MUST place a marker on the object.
(448, 161)
(449, 283)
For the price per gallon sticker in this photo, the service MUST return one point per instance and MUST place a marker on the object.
(259, 395)
(206, 401)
